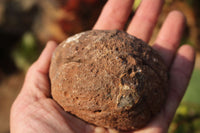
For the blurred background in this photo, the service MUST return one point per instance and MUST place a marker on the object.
(26, 26)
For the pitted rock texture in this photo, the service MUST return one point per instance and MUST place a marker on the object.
(108, 78)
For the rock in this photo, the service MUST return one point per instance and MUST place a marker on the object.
(109, 78)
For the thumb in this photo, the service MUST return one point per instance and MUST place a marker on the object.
(37, 80)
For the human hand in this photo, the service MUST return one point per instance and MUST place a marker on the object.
(35, 111)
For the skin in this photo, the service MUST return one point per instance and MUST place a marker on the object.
(35, 111)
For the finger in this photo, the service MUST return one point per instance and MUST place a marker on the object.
(179, 77)
(43, 62)
(145, 19)
(180, 74)
(114, 14)
(169, 37)
(37, 81)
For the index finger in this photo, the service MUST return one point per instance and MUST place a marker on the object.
(114, 15)
(145, 19)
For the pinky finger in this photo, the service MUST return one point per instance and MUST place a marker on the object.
(180, 74)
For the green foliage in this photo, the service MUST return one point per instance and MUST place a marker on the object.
(193, 91)
(26, 51)
(186, 120)
(136, 4)
(190, 2)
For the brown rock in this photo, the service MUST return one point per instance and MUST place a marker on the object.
(108, 78)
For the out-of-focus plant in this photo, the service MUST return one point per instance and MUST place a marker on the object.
(136, 4)
(187, 119)
(26, 51)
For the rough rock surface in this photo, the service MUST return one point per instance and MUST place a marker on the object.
(108, 78)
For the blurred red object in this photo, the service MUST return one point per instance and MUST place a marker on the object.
(75, 4)
(48, 19)
(62, 18)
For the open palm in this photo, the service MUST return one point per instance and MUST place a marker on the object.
(35, 111)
